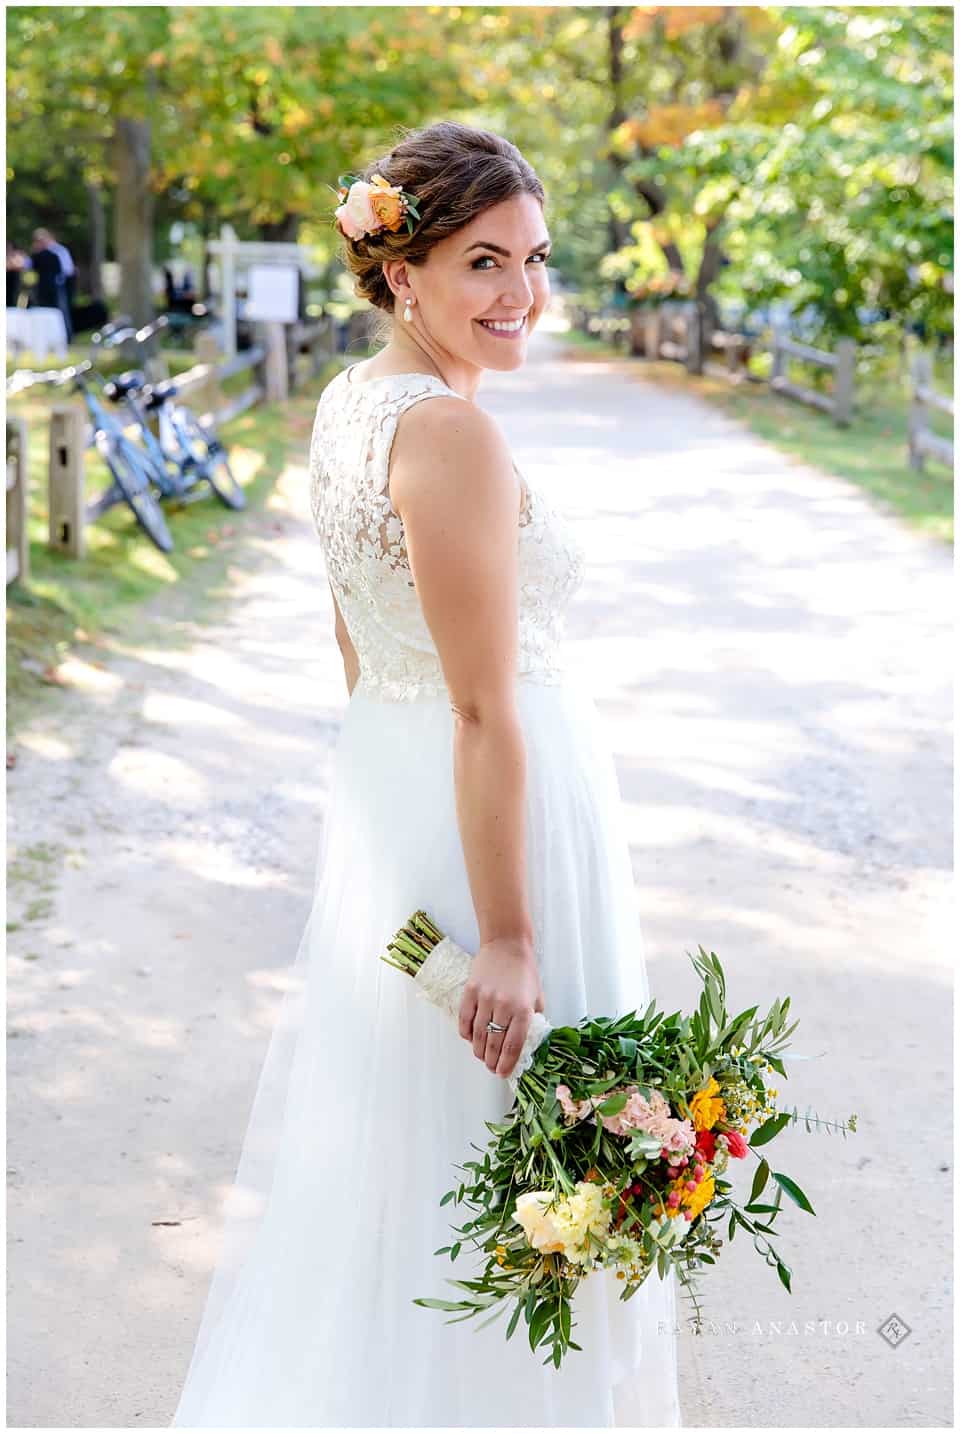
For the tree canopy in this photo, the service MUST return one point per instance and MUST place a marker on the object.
(762, 151)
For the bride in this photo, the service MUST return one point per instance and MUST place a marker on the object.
(471, 779)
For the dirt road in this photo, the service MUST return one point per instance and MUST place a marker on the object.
(771, 653)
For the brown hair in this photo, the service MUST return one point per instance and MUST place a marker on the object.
(456, 172)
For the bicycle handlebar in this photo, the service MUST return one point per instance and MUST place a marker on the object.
(122, 321)
(148, 331)
(26, 378)
(129, 334)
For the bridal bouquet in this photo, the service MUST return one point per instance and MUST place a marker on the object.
(614, 1153)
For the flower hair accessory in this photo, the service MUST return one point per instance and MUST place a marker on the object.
(366, 208)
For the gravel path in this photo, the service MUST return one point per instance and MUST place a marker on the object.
(771, 654)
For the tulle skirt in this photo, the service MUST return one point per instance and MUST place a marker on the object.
(369, 1098)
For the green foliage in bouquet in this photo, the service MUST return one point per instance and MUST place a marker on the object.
(614, 1155)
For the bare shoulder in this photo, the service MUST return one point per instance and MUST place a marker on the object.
(449, 443)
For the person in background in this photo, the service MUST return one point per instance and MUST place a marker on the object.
(64, 278)
(17, 261)
(69, 270)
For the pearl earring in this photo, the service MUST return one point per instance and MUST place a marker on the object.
(408, 310)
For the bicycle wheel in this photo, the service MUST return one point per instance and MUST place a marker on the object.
(212, 461)
(132, 477)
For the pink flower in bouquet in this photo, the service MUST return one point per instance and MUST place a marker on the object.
(652, 1116)
(576, 1109)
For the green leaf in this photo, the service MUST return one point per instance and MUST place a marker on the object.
(540, 1322)
(768, 1130)
(791, 1188)
(735, 1025)
(628, 1047)
(614, 1105)
(759, 1180)
(784, 1273)
(444, 1304)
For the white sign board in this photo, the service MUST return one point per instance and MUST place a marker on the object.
(272, 293)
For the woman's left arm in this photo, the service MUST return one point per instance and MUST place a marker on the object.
(351, 664)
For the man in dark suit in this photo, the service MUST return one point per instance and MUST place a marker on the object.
(50, 291)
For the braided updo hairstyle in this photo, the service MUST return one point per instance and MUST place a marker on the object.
(456, 172)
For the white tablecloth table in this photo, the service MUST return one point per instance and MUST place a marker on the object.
(39, 331)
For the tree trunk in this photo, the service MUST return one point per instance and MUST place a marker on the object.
(281, 231)
(711, 262)
(616, 16)
(133, 212)
(98, 241)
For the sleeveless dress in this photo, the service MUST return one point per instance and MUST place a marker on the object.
(369, 1098)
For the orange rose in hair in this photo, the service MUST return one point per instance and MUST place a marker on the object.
(385, 202)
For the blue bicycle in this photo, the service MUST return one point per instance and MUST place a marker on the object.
(185, 453)
(134, 472)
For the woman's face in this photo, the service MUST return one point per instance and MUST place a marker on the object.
(494, 268)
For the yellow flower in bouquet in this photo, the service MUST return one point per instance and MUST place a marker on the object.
(538, 1222)
(705, 1107)
(583, 1213)
(697, 1200)
(564, 1228)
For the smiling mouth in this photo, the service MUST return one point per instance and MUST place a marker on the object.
(494, 326)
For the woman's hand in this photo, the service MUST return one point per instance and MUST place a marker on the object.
(504, 986)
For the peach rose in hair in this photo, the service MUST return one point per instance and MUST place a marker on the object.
(356, 215)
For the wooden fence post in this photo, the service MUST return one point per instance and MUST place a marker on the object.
(651, 334)
(843, 375)
(922, 374)
(207, 350)
(278, 367)
(779, 358)
(18, 546)
(323, 349)
(694, 361)
(228, 288)
(637, 332)
(923, 440)
(67, 528)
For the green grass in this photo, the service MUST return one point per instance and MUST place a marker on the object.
(72, 606)
(871, 452)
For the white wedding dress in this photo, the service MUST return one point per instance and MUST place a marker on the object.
(369, 1097)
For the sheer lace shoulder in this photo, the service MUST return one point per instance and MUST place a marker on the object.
(365, 550)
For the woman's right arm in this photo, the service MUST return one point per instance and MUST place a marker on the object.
(452, 482)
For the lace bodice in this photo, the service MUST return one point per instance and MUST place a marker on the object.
(365, 553)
